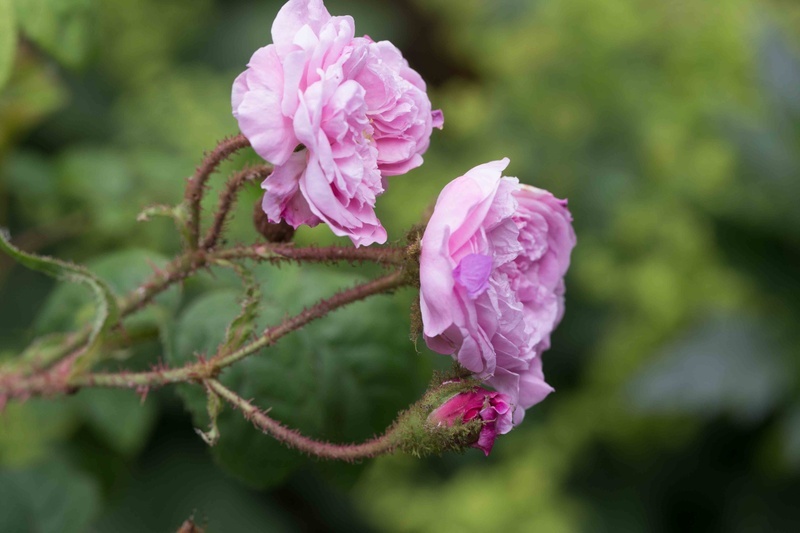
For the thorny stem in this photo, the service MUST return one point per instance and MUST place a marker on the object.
(179, 269)
(380, 285)
(51, 372)
(387, 255)
(227, 199)
(56, 381)
(384, 444)
(187, 264)
(196, 184)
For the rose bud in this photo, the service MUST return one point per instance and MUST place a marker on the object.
(491, 408)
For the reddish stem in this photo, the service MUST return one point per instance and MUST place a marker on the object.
(227, 198)
(320, 309)
(195, 187)
(58, 379)
(387, 256)
(384, 444)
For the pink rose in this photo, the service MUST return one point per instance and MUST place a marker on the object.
(492, 408)
(398, 108)
(493, 260)
(353, 106)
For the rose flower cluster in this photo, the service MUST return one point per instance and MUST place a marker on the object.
(337, 115)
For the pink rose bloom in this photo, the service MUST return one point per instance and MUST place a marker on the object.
(492, 408)
(356, 109)
(493, 260)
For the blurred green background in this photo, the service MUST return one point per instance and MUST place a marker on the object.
(672, 127)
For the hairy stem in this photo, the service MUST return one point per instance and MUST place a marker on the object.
(57, 381)
(384, 444)
(227, 199)
(195, 187)
(387, 256)
(188, 263)
(323, 307)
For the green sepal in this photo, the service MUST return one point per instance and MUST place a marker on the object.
(416, 435)
(244, 325)
(214, 407)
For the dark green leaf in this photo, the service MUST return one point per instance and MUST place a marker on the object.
(201, 330)
(96, 179)
(179, 476)
(111, 186)
(49, 498)
(32, 180)
(342, 378)
(119, 417)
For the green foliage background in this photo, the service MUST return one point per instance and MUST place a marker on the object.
(672, 127)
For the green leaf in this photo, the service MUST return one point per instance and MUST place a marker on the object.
(62, 28)
(118, 417)
(170, 211)
(201, 330)
(178, 474)
(343, 378)
(49, 498)
(8, 40)
(106, 314)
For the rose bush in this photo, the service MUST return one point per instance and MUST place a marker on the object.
(335, 115)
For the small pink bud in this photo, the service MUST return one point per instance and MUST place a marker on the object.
(493, 409)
